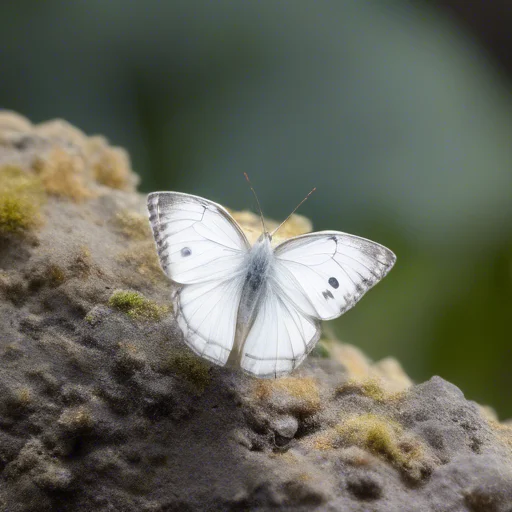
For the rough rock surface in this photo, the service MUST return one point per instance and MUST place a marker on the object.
(102, 407)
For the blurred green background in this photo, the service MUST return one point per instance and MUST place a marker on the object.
(400, 115)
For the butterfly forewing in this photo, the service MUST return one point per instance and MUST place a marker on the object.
(326, 273)
(196, 239)
(202, 248)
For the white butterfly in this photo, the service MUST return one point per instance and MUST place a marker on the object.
(259, 307)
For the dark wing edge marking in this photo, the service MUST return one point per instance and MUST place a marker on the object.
(154, 206)
(366, 284)
(321, 234)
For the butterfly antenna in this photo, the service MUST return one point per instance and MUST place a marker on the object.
(257, 202)
(294, 210)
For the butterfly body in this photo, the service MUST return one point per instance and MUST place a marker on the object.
(259, 263)
(258, 308)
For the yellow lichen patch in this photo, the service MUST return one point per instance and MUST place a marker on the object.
(294, 226)
(129, 359)
(81, 263)
(251, 225)
(110, 166)
(325, 441)
(136, 306)
(24, 396)
(133, 225)
(391, 374)
(190, 367)
(387, 373)
(130, 348)
(63, 174)
(61, 132)
(21, 398)
(91, 317)
(76, 419)
(18, 400)
(504, 432)
(298, 394)
(488, 412)
(304, 477)
(12, 122)
(56, 275)
(370, 387)
(287, 456)
(356, 456)
(12, 351)
(356, 363)
(21, 196)
(384, 437)
(143, 257)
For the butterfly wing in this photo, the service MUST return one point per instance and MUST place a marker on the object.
(207, 314)
(326, 273)
(280, 337)
(202, 248)
(196, 239)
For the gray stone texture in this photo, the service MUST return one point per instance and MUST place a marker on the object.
(103, 408)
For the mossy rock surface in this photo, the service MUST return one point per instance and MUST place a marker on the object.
(136, 306)
(21, 196)
(103, 407)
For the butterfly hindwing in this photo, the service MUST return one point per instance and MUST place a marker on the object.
(326, 273)
(280, 337)
(207, 316)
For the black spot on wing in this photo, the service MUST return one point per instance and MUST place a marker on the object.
(334, 282)
(327, 294)
(186, 251)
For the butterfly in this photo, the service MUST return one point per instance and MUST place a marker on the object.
(256, 307)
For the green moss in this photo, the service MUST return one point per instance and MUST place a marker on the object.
(90, 318)
(193, 369)
(143, 259)
(302, 394)
(63, 174)
(370, 387)
(21, 196)
(373, 389)
(136, 306)
(384, 437)
(56, 275)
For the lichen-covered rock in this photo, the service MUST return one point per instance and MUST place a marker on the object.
(102, 406)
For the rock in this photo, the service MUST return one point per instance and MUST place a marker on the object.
(102, 406)
(286, 426)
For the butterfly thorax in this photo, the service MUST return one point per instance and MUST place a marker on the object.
(257, 270)
(258, 265)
